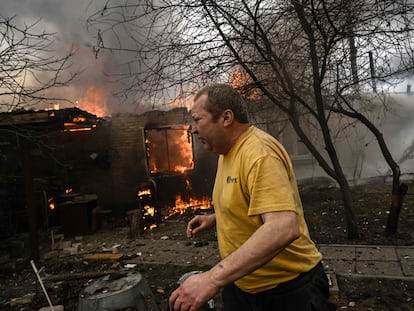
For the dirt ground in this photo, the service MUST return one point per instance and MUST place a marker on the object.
(325, 217)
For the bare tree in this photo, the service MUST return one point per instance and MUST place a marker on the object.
(29, 70)
(29, 67)
(309, 58)
(380, 52)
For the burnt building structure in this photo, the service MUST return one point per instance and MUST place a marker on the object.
(76, 160)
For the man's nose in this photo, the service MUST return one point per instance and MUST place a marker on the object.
(193, 129)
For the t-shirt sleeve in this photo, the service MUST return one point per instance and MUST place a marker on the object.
(269, 187)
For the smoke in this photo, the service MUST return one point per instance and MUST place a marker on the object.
(67, 19)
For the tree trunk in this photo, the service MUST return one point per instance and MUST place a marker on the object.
(398, 193)
(350, 215)
(318, 74)
(337, 174)
(398, 190)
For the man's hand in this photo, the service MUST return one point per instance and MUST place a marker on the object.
(193, 293)
(200, 223)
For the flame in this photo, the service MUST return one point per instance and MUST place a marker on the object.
(188, 184)
(78, 119)
(192, 204)
(169, 150)
(69, 190)
(74, 127)
(185, 151)
(241, 79)
(182, 102)
(149, 210)
(152, 226)
(94, 101)
(141, 193)
(51, 204)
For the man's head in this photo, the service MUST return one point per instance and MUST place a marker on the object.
(219, 117)
(221, 97)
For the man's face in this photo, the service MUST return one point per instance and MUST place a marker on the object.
(209, 133)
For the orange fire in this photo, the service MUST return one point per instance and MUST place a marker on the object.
(169, 150)
(192, 204)
(149, 210)
(140, 193)
(241, 79)
(79, 129)
(51, 204)
(94, 101)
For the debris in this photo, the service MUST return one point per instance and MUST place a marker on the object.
(26, 299)
(81, 275)
(200, 243)
(115, 248)
(130, 265)
(103, 256)
(51, 255)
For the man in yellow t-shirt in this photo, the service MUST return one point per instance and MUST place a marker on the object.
(269, 261)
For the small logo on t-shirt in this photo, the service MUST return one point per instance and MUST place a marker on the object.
(231, 180)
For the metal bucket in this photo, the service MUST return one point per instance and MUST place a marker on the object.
(117, 291)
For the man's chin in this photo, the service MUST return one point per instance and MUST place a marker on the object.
(207, 147)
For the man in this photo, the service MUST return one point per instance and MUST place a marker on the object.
(268, 260)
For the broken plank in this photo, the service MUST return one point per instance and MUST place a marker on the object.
(103, 256)
(81, 275)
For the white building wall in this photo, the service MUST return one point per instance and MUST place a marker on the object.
(357, 148)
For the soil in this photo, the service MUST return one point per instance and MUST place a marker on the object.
(325, 217)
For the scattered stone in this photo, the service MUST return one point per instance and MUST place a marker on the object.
(200, 243)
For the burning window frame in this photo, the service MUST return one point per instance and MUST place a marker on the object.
(169, 165)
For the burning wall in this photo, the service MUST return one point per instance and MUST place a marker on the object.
(130, 137)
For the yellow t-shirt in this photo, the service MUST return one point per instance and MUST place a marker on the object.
(255, 177)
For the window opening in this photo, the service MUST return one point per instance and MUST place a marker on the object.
(169, 149)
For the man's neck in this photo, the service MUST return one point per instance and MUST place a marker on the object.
(237, 132)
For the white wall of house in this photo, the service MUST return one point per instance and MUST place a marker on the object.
(357, 148)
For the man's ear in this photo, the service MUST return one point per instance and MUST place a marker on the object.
(228, 117)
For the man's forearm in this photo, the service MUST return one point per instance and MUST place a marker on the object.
(279, 230)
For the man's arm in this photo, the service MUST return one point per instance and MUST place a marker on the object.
(279, 229)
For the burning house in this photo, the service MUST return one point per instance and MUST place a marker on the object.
(156, 163)
(33, 164)
(80, 164)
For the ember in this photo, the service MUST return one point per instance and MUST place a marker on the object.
(51, 204)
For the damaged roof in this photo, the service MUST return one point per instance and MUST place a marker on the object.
(67, 119)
